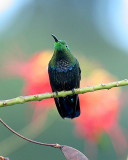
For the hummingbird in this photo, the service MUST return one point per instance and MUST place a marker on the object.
(65, 74)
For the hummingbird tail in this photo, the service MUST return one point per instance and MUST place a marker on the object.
(68, 107)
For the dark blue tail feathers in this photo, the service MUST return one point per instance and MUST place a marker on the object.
(68, 107)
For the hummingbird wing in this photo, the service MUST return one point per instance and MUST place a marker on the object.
(68, 79)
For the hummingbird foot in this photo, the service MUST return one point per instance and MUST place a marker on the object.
(56, 93)
(73, 91)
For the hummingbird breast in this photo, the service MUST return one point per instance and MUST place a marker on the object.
(64, 76)
(63, 65)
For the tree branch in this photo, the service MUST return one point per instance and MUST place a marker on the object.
(69, 152)
(39, 97)
(27, 139)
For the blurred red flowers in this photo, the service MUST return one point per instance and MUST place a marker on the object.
(35, 75)
(99, 110)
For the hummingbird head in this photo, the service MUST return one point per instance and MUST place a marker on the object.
(61, 51)
(60, 45)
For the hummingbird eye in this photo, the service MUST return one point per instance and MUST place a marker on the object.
(66, 46)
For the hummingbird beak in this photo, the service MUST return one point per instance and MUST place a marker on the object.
(56, 40)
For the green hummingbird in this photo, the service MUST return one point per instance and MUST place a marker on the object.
(65, 74)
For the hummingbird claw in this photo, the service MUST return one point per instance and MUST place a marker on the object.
(73, 91)
(56, 93)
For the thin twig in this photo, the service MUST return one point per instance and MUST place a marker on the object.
(29, 140)
(39, 97)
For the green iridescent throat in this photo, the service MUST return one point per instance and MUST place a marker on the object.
(62, 52)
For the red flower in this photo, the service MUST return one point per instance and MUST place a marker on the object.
(100, 110)
(34, 73)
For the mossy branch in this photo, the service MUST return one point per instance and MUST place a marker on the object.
(39, 97)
